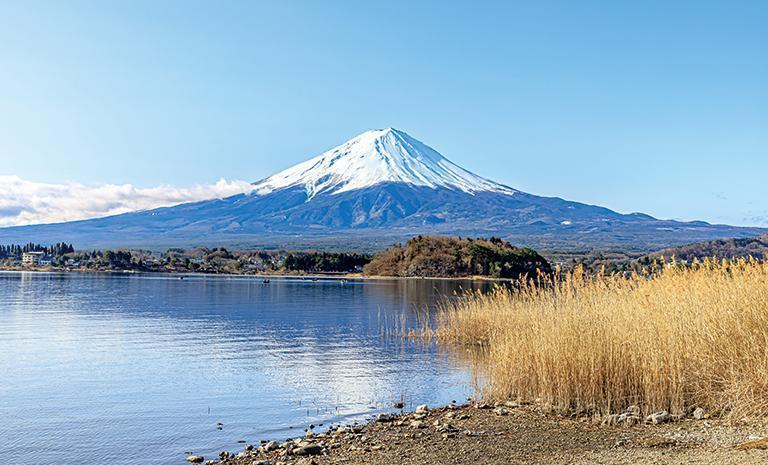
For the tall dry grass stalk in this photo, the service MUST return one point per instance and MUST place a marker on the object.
(689, 336)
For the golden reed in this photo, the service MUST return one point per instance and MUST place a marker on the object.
(685, 337)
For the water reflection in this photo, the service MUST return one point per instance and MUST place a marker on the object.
(127, 368)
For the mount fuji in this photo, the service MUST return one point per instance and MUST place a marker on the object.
(377, 157)
(378, 188)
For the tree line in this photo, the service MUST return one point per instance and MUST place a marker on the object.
(15, 251)
(317, 262)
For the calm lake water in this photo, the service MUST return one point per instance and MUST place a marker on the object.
(127, 369)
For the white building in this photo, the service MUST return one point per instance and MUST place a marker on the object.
(35, 259)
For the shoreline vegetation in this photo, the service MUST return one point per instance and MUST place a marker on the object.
(420, 257)
(682, 338)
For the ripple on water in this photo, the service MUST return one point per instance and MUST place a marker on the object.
(127, 369)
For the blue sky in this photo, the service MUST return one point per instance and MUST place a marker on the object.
(660, 107)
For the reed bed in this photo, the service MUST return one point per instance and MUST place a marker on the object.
(686, 337)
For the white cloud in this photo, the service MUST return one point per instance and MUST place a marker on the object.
(26, 202)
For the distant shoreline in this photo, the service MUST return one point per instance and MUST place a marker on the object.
(305, 276)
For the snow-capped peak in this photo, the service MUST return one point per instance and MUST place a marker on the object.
(375, 157)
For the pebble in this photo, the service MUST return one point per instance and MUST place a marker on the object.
(195, 459)
(658, 417)
(311, 449)
(501, 411)
(699, 413)
(422, 409)
(270, 446)
(628, 419)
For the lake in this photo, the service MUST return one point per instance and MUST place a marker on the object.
(126, 369)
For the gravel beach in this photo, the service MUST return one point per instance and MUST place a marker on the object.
(511, 435)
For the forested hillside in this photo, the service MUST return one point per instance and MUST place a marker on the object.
(454, 256)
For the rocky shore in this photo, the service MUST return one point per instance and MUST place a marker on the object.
(515, 434)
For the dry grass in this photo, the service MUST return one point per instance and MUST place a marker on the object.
(689, 336)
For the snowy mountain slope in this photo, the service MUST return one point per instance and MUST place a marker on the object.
(375, 157)
(380, 187)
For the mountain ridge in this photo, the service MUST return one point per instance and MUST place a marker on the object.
(380, 187)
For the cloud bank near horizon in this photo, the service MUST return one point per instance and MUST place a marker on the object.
(25, 202)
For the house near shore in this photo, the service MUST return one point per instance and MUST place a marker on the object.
(36, 258)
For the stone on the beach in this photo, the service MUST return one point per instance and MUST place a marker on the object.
(384, 418)
(658, 417)
(270, 446)
(422, 409)
(501, 411)
(195, 459)
(628, 419)
(417, 424)
(446, 428)
(260, 462)
(311, 449)
(699, 413)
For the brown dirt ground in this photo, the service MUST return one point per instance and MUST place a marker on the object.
(526, 436)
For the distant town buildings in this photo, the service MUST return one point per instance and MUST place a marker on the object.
(36, 259)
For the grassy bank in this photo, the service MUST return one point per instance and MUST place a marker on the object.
(688, 337)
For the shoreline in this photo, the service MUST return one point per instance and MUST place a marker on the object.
(508, 434)
(319, 276)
